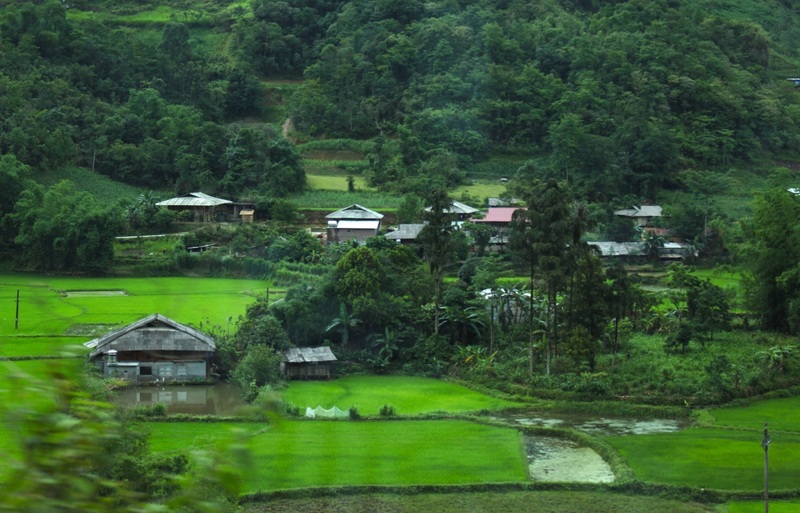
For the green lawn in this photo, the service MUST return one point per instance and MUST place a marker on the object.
(297, 454)
(407, 394)
(723, 459)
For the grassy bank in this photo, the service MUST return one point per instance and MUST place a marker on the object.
(517, 502)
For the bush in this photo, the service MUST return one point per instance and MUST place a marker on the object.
(387, 410)
(354, 414)
(259, 367)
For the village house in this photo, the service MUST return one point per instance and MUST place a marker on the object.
(633, 251)
(308, 362)
(203, 208)
(353, 223)
(405, 234)
(155, 348)
(460, 211)
(499, 218)
(642, 216)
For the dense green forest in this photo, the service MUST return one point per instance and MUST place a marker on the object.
(615, 97)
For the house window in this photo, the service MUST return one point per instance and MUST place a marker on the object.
(145, 371)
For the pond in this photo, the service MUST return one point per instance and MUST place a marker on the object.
(219, 399)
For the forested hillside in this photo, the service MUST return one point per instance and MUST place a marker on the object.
(616, 97)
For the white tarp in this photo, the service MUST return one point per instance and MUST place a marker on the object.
(322, 413)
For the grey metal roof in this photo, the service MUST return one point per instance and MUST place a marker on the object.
(355, 212)
(643, 211)
(611, 248)
(405, 232)
(456, 207)
(308, 355)
(152, 333)
(194, 199)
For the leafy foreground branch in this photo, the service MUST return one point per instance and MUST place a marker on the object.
(77, 454)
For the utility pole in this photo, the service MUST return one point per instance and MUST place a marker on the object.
(765, 444)
(16, 314)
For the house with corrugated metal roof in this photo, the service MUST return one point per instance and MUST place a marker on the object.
(353, 223)
(459, 211)
(499, 218)
(405, 233)
(308, 362)
(643, 215)
(205, 208)
(155, 348)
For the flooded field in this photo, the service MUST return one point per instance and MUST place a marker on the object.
(219, 399)
(552, 459)
(600, 426)
(558, 460)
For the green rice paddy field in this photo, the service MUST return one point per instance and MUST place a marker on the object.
(298, 454)
(726, 455)
(408, 395)
(56, 312)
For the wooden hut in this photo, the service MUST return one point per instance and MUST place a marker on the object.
(152, 349)
(308, 362)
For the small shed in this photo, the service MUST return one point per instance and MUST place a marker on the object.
(308, 362)
(155, 348)
(247, 215)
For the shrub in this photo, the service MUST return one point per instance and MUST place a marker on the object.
(354, 414)
(387, 410)
(292, 410)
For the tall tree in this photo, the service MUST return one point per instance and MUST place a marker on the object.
(771, 252)
(540, 237)
(437, 243)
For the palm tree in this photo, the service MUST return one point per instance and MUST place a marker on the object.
(343, 324)
(652, 243)
(386, 345)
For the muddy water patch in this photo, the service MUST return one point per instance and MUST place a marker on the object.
(559, 460)
(94, 293)
(599, 426)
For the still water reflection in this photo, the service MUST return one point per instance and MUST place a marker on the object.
(219, 399)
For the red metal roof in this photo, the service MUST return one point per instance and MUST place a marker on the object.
(498, 215)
